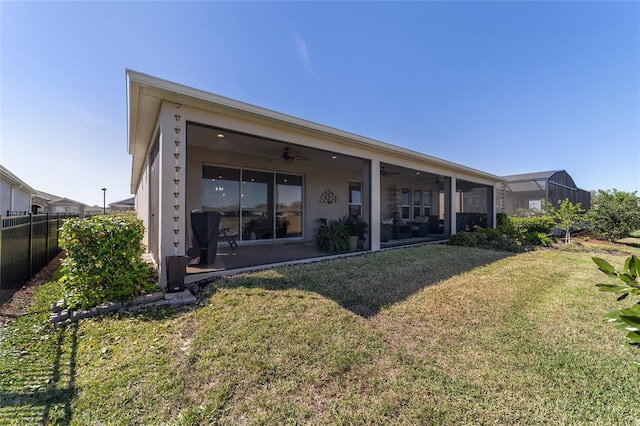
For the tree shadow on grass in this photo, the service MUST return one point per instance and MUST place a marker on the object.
(365, 284)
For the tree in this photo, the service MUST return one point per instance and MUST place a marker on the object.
(566, 215)
(614, 213)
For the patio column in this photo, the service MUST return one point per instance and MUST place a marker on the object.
(374, 191)
(491, 206)
(450, 200)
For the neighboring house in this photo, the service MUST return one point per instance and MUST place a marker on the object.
(15, 194)
(123, 205)
(526, 192)
(43, 202)
(273, 176)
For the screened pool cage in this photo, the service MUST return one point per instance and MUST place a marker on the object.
(524, 193)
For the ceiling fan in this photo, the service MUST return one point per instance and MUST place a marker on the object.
(385, 173)
(289, 157)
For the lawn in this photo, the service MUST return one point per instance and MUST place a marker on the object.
(427, 335)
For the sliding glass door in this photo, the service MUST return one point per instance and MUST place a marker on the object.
(255, 205)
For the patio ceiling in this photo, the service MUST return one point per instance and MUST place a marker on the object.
(270, 150)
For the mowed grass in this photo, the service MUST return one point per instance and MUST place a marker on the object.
(428, 335)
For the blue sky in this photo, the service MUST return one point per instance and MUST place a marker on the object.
(504, 87)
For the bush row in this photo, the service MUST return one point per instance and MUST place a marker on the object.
(486, 238)
(103, 260)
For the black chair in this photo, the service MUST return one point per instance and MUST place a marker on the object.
(205, 227)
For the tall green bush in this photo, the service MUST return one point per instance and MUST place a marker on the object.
(103, 260)
(615, 214)
(519, 228)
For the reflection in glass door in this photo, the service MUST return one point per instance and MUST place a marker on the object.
(288, 206)
(221, 193)
(257, 205)
(254, 205)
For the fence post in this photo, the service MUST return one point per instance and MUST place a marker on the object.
(46, 239)
(30, 246)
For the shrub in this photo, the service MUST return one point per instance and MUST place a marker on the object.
(464, 239)
(615, 214)
(485, 238)
(539, 238)
(103, 261)
(332, 236)
(518, 227)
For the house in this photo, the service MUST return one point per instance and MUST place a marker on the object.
(526, 192)
(44, 202)
(126, 205)
(15, 194)
(273, 177)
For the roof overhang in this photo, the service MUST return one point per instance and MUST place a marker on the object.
(145, 95)
(15, 181)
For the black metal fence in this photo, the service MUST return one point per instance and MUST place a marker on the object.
(27, 244)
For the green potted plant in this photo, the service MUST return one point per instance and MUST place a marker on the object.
(332, 236)
(356, 228)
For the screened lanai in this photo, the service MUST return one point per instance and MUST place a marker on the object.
(523, 193)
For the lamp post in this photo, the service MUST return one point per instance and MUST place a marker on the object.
(104, 200)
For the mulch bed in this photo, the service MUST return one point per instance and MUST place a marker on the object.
(15, 302)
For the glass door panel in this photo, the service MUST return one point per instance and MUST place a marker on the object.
(221, 193)
(257, 205)
(288, 206)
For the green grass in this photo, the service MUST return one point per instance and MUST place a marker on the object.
(429, 335)
(632, 240)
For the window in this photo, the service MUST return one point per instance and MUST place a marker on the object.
(417, 207)
(426, 203)
(405, 203)
(355, 198)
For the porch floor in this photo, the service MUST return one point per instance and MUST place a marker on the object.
(265, 255)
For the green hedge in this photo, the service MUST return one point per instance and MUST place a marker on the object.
(103, 260)
(485, 238)
(522, 228)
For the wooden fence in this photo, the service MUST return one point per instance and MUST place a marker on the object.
(27, 244)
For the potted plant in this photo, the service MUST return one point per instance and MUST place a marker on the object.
(332, 236)
(356, 228)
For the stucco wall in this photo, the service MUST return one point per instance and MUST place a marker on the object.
(13, 199)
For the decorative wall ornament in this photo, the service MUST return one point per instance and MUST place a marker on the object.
(177, 129)
(328, 196)
(177, 116)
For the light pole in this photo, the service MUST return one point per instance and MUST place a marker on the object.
(104, 200)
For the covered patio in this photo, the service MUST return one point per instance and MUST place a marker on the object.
(274, 178)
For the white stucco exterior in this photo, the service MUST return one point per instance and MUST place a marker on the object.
(171, 137)
(15, 195)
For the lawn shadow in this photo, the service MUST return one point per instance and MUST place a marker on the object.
(45, 393)
(365, 284)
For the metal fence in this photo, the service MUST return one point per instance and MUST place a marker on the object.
(27, 244)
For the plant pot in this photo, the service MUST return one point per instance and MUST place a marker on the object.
(353, 242)
(176, 271)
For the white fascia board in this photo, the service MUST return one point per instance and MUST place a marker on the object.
(15, 181)
(180, 93)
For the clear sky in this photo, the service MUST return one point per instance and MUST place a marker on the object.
(504, 87)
